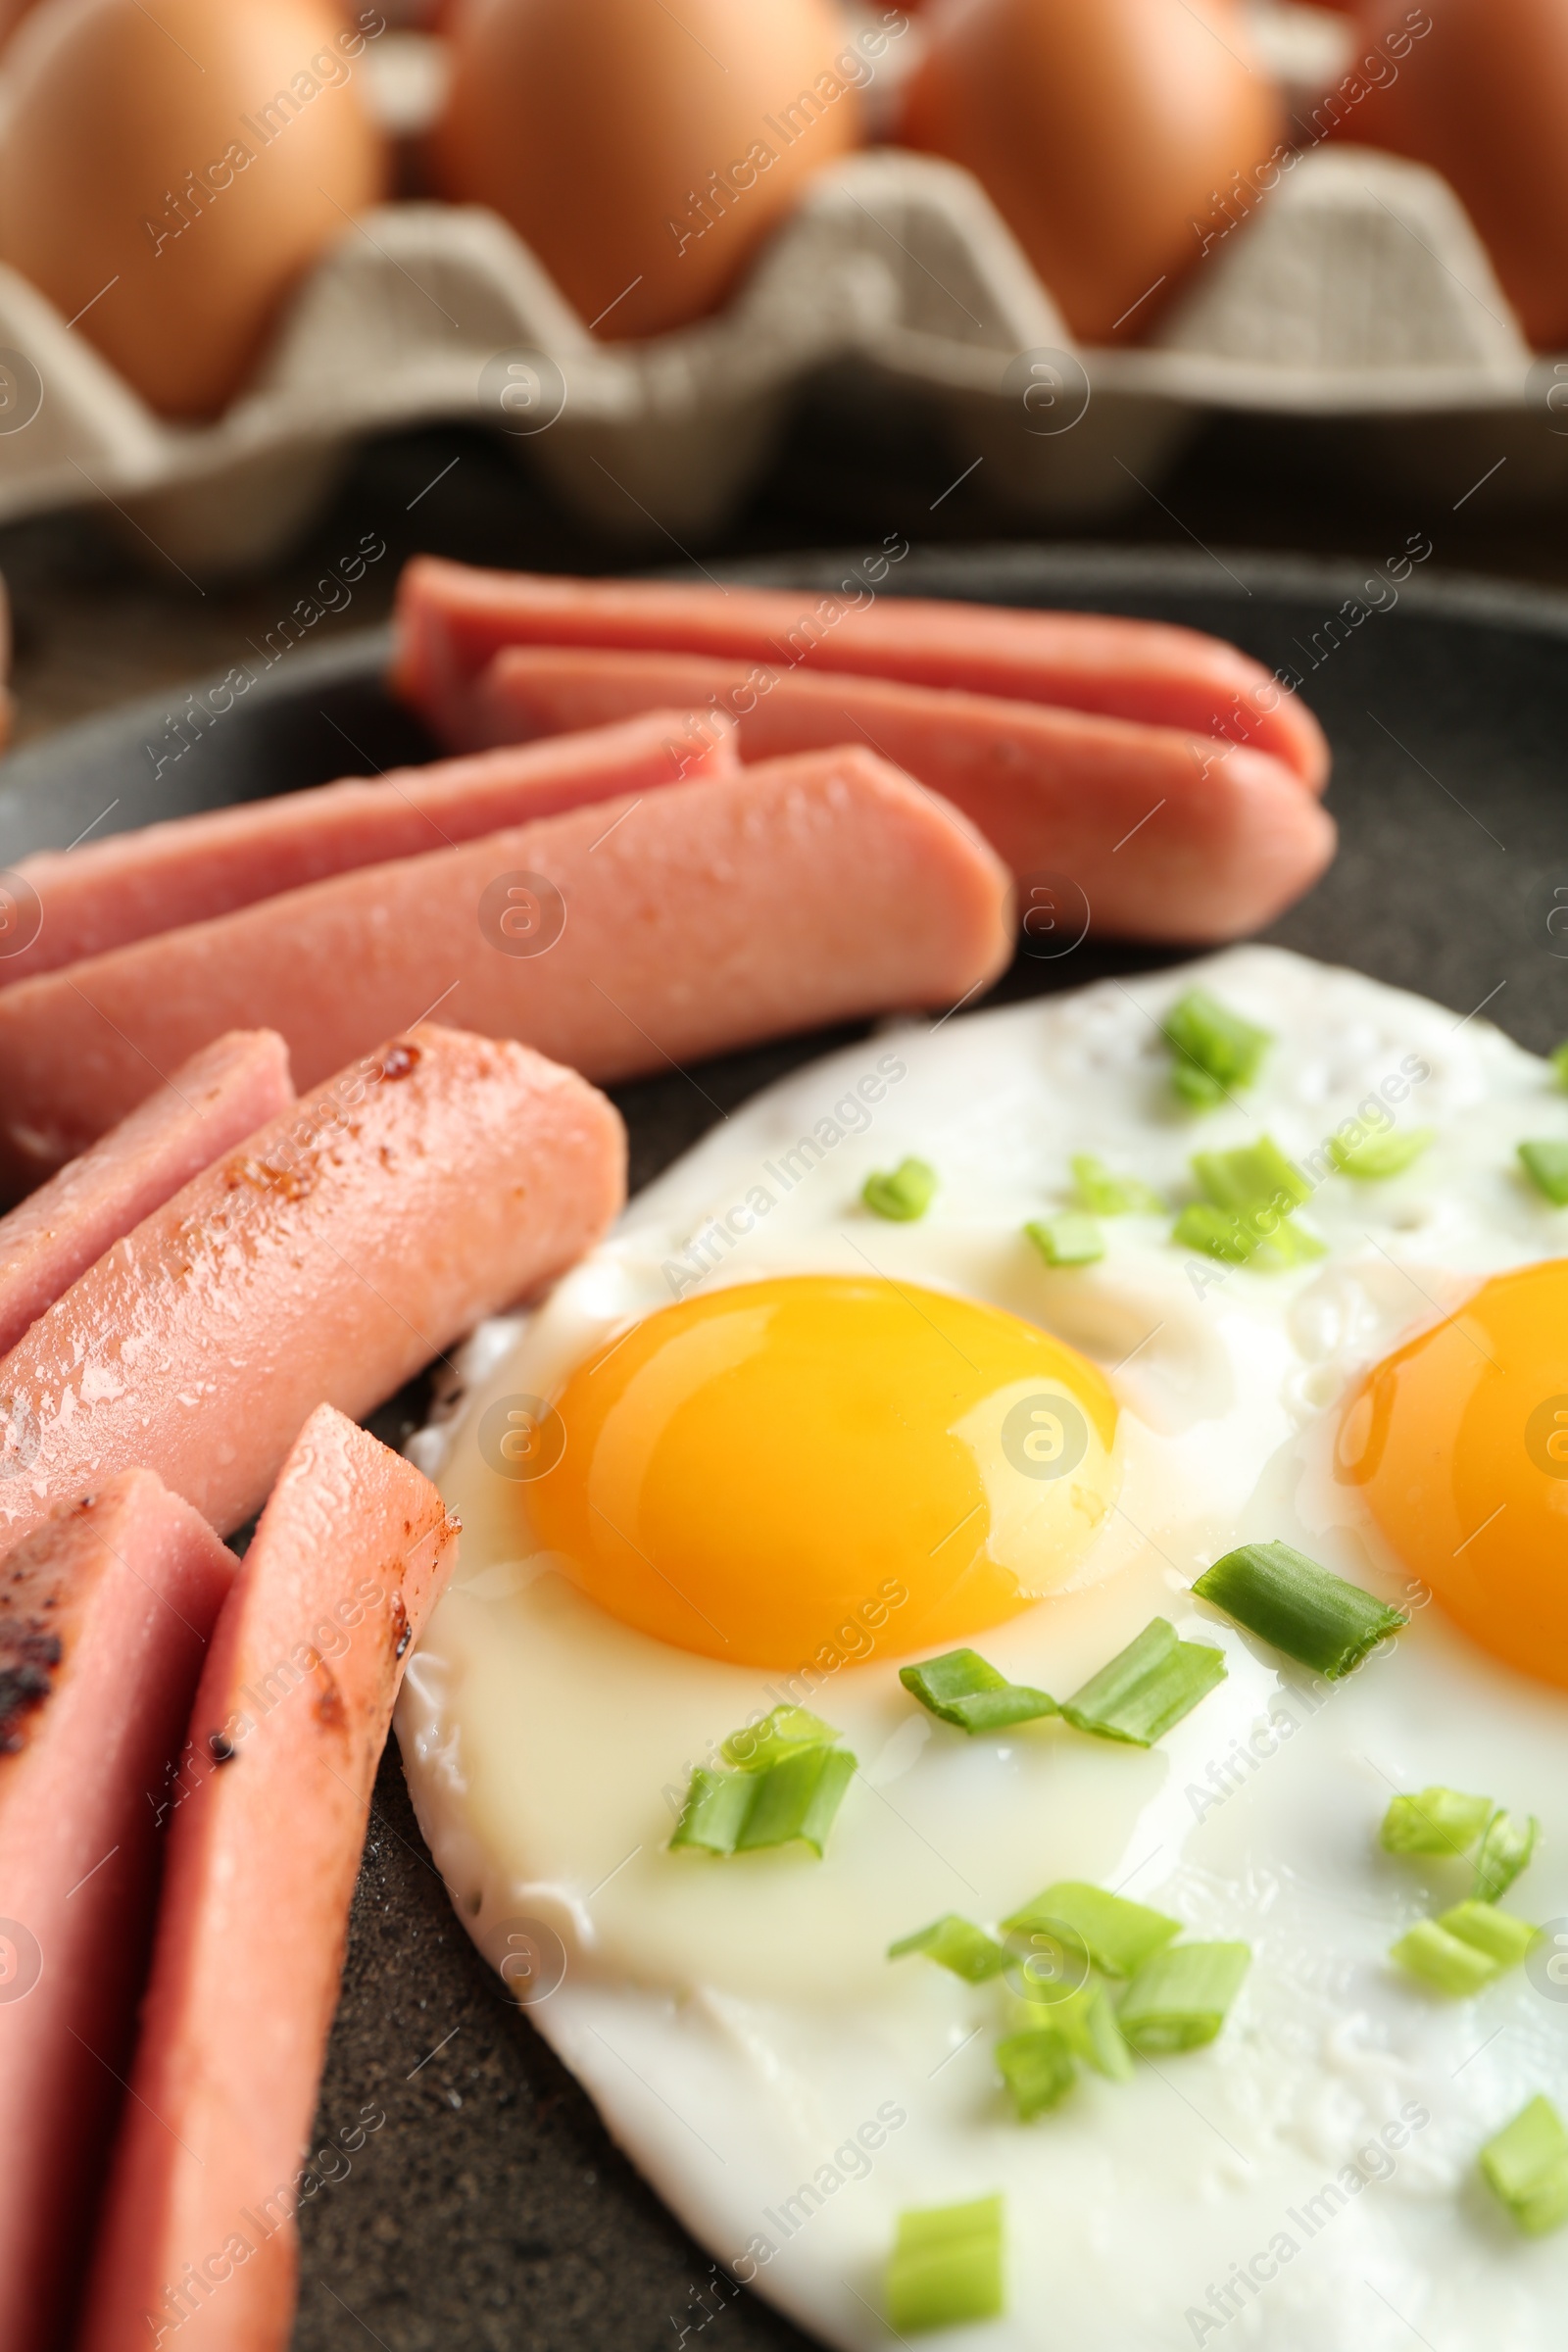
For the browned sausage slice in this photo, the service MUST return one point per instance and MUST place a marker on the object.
(272, 1800)
(105, 1613)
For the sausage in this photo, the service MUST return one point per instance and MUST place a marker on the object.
(711, 915)
(105, 1613)
(437, 1179)
(452, 620)
(1225, 835)
(137, 884)
(198, 2243)
(222, 1094)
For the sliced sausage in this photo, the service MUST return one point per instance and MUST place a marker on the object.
(105, 1613)
(221, 1094)
(137, 884)
(199, 2245)
(437, 1179)
(707, 917)
(452, 620)
(1168, 835)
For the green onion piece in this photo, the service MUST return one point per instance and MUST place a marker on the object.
(1252, 1177)
(1038, 2067)
(1546, 1166)
(1560, 1063)
(1526, 2167)
(1068, 1239)
(946, 2267)
(1505, 1851)
(1440, 1820)
(715, 1810)
(1380, 1155)
(1089, 2022)
(1239, 1238)
(962, 1689)
(1214, 1049)
(1504, 1939)
(735, 1812)
(1106, 1195)
(905, 1195)
(781, 1734)
(797, 1798)
(1119, 1936)
(1179, 1999)
(952, 1943)
(1446, 1961)
(1305, 1611)
(1150, 1684)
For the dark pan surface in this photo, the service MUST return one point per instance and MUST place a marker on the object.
(487, 2211)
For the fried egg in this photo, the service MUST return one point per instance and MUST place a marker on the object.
(762, 1447)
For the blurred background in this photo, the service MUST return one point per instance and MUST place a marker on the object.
(290, 289)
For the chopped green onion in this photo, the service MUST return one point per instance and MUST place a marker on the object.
(1526, 2167)
(1179, 1999)
(1147, 1687)
(1214, 1049)
(1068, 1239)
(1465, 1948)
(1038, 2067)
(1305, 1611)
(1119, 1936)
(1238, 1238)
(952, 1943)
(904, 1195)
(735, 1812)
(1380, 1155)
(1087, 2022)
(1559, 1058)
(962, 1689)
(946, 2267)
(1106, 1195)
(1440, 1820)
(1252, 1177)
(1505, 1851)
(1546, 1166)
(798, 1798)
(781, 1734)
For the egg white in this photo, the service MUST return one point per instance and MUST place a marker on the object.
(738, 2024)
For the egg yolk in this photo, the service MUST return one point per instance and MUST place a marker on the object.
(815, 1465)
(1460, 1440)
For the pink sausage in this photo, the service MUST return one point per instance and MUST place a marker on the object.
(709, 917)
(105, 1613)
(199, 2245)
(1225, 835)
(222, 1094)
(452, 620)
(439, 1178)
(137, 884)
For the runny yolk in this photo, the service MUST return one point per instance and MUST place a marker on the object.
(1460, 1441)
(821, 1464)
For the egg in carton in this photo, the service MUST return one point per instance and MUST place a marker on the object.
(1350, 297)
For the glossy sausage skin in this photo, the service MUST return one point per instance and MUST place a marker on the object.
(439, 1178)
(705, 916)
(221, 1094)
(135, 885)
(199, 2245)
(1226, 836)
(452, 620)
(105, 1613)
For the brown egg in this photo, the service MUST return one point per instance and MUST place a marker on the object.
(645, 152)
(1483, 98)
(167, 173)
(1100, 130)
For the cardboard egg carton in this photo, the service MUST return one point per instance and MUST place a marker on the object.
(1354, 298)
